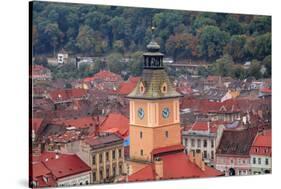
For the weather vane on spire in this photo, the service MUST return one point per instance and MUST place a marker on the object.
(152, 31)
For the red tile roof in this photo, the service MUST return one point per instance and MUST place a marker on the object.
(206, 106)
(39, 169)
(262, 144)
(126, 87)
(80, 122)
(117, 121)
(236, 142)
(203, 126)
(104, 75)
(65, 165)
(263, 139)
(36, 123)
(265, 90)
(173, 148)
(175, 166)
(67, 94)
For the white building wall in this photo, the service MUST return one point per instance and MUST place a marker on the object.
(75, 180)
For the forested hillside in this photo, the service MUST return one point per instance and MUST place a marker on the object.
(100, 30)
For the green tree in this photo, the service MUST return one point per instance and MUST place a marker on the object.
(54, 35)
(267, 63)
(254, 69)
(135, 64)
(114, 63)
(212, 41)
(85, 40)
(235, 47)
(223, 66)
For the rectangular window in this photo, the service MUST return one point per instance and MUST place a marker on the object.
(140, 134)
(113, 154)
(212, 154)
(205, 143)
(259, 161)
(186, 142)
(94, 159)
(100, 157)
(120, 153)
(141, 152)
(198, 143)
(107, 173)
(101, 174)
(192, 142)
(114, 171)
(166, 134)
(266, 161)
(205, 154)
(254, 160)
(120, 169)
(212, 143)
(94, 176)
(107, 156)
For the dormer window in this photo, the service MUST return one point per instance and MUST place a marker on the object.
(142, 88)
(164, 88)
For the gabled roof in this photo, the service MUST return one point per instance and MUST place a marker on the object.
(115, 120)
(236, 142)
(65, 165)
(126, 87)
(263, 139)
(67, 94)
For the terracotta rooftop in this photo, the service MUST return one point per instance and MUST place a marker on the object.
(236, 142)
(36, 123)
(175, 166)
(105, 76)
(67, 94)
(167, 149)
(115, 122)
(102, 141)
(127, 86)
(65, 165)
(263, 139)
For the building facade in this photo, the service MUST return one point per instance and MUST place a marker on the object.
(203, 136)
(105, 155)
(261, 161)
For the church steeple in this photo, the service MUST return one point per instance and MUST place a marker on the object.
(153, 59)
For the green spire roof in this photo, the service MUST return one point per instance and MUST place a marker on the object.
(153, 82)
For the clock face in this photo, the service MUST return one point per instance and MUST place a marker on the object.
(165, 112)
(140, 113)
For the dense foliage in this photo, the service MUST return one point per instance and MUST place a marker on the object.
(102, 30)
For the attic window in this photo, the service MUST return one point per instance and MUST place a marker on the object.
(164, 88)
(142, 88)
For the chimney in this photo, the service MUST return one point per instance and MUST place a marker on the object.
(196, 157)
(57, 154)
(158, 162)
(209, 126)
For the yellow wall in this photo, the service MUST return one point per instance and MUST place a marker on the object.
(153, 126)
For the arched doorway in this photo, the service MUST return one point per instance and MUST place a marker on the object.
(267, 171)
(231, 172)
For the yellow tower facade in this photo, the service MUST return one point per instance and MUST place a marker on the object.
(154, 109)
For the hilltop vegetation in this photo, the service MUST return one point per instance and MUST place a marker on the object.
(91, 30)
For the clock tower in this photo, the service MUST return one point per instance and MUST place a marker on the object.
(154, 109)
